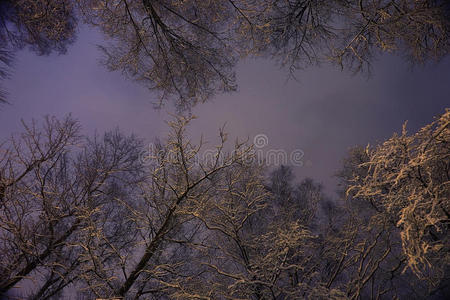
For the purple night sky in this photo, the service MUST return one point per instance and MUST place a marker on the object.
(324, 113)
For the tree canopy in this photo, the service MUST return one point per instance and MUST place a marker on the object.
(101, 218)
(407, 179)
(186, 51)
(45, 26)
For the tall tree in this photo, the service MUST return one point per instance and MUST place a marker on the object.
(99, 216)
(52, 181)
(407, 179)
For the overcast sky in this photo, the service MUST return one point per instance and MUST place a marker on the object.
(324, 113)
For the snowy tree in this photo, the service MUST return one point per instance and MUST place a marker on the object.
(406, 180)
